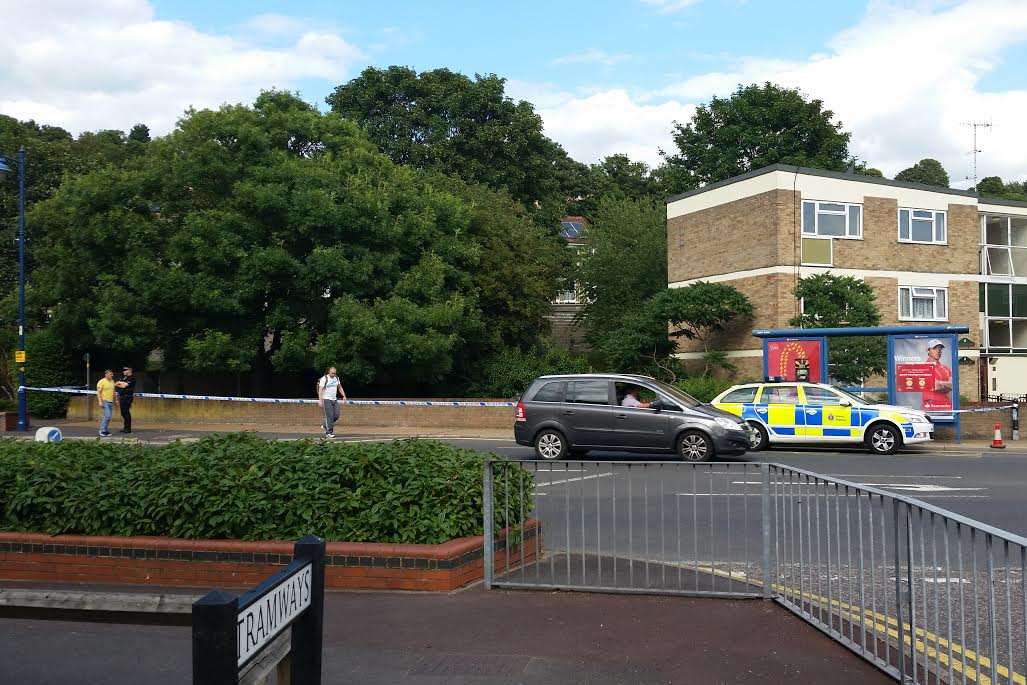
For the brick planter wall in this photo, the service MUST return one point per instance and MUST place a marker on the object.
(148, 409)
(239, 564)
(981, 425)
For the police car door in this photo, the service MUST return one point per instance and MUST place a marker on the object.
(827, 418)
(784, 415)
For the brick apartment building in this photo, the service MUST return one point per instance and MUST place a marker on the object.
(932, 255)
(566, 330)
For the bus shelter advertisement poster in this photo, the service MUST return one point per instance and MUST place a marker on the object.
(794, 360)
(923, 373)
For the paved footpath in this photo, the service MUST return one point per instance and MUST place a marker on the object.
(476, 637)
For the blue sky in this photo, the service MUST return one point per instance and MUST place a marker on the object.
(606, 76)
(550, 41)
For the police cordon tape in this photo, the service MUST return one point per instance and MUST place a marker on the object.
(399, 403)
(278, 400)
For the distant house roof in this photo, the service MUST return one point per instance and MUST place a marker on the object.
(571, 227)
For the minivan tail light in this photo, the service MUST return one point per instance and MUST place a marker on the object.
(520, 415)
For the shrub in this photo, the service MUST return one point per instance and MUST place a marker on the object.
(510, 372)
(239, 486)
(48, 365)
(704, 388)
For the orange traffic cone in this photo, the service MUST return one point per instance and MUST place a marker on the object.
(997, 441)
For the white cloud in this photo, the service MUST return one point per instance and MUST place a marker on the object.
(904, 81)
(274, 24)
(593, 125)
(111, 63)
(592, 56)
(670, 6)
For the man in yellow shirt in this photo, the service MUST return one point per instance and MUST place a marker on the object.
(105, 398)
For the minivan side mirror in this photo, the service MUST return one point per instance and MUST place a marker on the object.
(656, 405)
(845, 403)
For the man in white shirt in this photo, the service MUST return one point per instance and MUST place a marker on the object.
(329, 389)
(631, 400)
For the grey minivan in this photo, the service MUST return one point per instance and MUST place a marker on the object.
(563, 416)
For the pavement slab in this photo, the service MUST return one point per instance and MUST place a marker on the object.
(476, 637)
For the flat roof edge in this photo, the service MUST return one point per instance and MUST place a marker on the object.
(1001, 202)
(840, 175)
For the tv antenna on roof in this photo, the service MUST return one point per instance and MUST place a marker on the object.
(976, 125)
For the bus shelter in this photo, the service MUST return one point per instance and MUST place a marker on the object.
(922, 363)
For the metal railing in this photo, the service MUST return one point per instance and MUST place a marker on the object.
(644, 527)
(925, 594)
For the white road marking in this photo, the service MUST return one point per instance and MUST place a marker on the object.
(572, 480)
(906, 487)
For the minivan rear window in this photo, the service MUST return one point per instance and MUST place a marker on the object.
(742, 395)
(550, 392)
(589, 392)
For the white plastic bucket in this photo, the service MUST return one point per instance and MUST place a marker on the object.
(49, 434)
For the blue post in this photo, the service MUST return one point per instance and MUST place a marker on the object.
(23, 418)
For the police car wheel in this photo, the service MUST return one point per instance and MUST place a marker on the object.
(883, 439)
(695, 446)
(758, 438)
(550, 445)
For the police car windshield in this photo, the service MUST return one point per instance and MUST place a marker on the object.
(855, 399)
(677, 395)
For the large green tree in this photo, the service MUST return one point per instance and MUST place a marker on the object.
(275, 237)
(993, 186)
(444, 121)
(616, 176)
(927, 171)
(625, 263)
(754, 127)
(831, 301)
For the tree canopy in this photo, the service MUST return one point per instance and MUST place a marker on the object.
(444, 121)
(626, 262)
(754, 127)
(274, 237)
(927, 171)
(993, 186)
(831, 301)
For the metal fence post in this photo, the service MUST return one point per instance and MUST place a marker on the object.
(765, 499)
(215, 639)
(898, 596)
(487, 523)
(308, 631)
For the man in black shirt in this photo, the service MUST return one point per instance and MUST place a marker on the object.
(126, 388)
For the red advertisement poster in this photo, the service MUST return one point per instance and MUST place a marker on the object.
(923, 373)
(794, 360)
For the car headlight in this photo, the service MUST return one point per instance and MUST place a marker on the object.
(728, 423)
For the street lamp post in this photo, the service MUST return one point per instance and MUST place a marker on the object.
(20, 359)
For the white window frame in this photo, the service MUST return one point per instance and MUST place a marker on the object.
(911, 291)
(1007, 247)
(935, 213)
(1008, 319)
(851, 233)
(830, 242)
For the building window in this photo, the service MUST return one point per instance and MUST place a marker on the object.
(817, 251)
(1004, 246)
(832, 219)
(572, 291)
(1005, 312)
(923, 304)
(922, 226)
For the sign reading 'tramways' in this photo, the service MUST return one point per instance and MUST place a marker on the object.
(261, 621)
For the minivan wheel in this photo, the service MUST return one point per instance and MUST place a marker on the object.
(883, 439)
(550, 445)
(758, 439)
(695, 446)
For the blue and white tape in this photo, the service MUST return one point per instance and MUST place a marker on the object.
(279, 400)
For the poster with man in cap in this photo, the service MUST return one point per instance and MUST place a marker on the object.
(923, 377)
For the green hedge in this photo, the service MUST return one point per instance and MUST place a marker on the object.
(239, 486)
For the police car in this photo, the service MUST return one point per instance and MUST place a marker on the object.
(822, 414)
